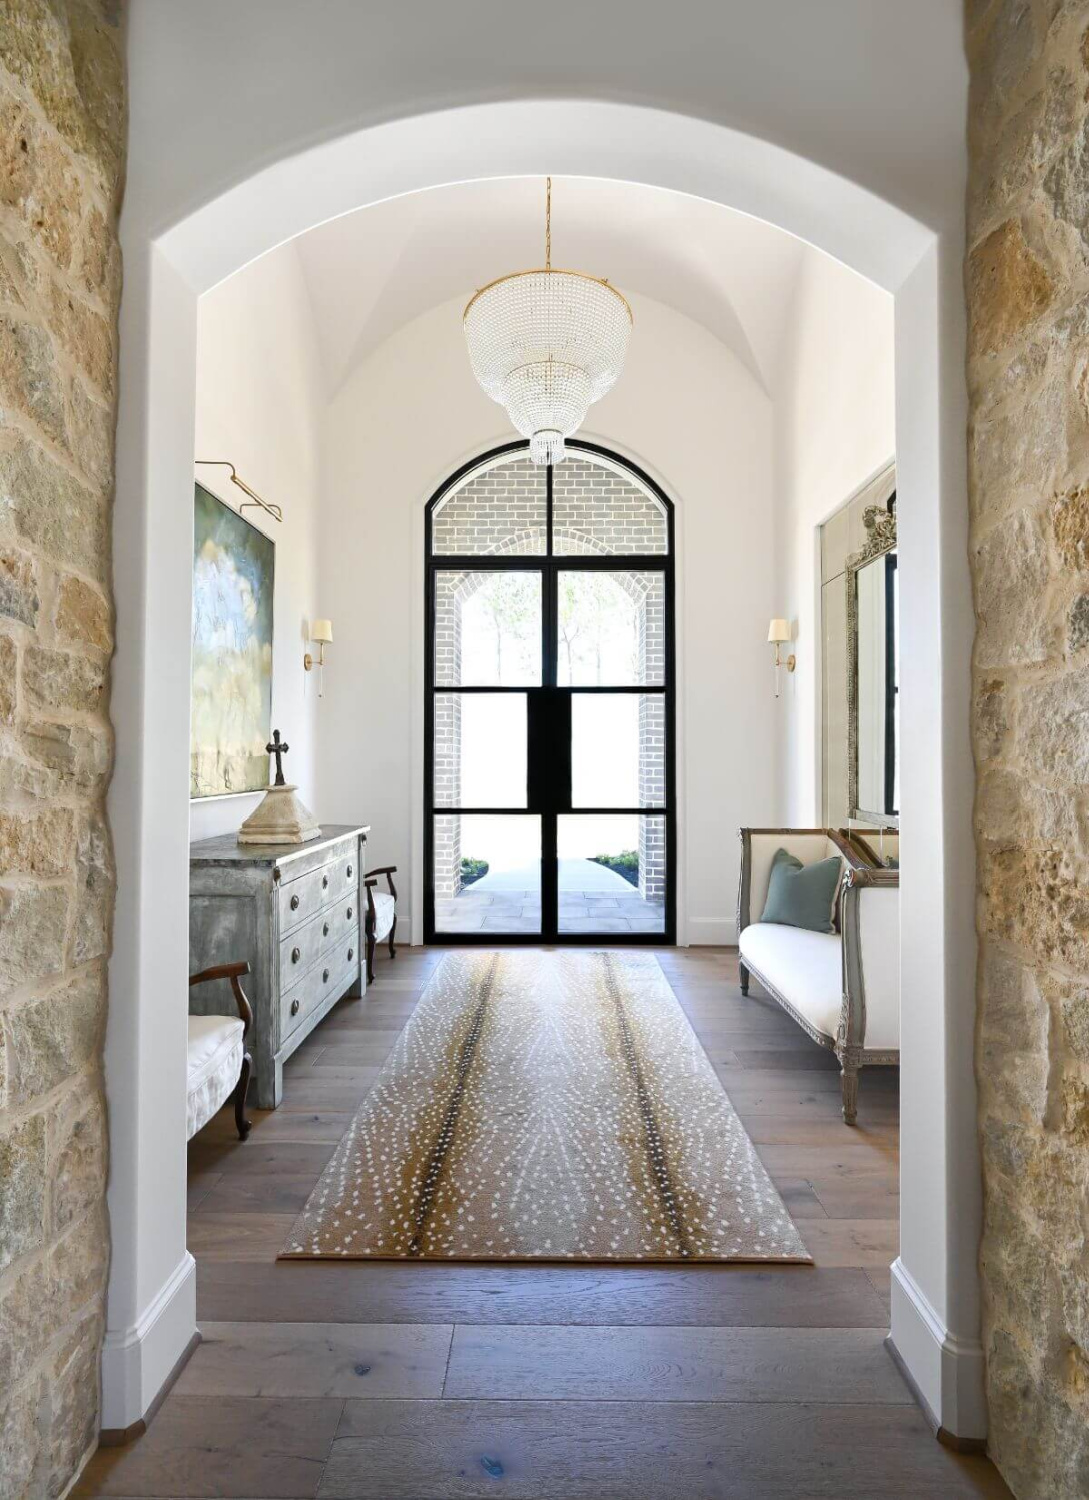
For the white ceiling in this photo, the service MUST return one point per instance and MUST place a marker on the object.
(370, 272)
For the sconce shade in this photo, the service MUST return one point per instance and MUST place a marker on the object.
(778, 632)
(321, 630)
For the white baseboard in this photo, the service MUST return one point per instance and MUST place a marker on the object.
(138, 1361)
(946, 1370)
(710, 931)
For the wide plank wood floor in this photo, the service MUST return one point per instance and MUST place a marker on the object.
(395, 1381)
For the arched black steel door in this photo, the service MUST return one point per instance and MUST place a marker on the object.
(550, 738)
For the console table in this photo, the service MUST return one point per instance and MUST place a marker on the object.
(294, 911)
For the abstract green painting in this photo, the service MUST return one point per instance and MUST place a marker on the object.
(231, 714)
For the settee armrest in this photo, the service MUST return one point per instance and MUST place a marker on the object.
(871, 959)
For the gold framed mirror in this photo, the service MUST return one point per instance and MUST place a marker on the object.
(873, 739)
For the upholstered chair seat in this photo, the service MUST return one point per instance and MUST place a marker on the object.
(214, 1066)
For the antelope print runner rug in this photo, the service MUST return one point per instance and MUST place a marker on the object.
(546, 1106)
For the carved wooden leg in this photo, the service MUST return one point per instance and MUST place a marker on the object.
(243, 1125)
(392, 935)
(744, 975)
(370, 957)
(849, 1086)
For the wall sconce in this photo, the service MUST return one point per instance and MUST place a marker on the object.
(779, 635)
(321, 632)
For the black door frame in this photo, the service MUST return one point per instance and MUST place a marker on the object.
(544, 774)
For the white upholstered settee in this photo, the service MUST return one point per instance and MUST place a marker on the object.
(842, 987)
(217, 1063)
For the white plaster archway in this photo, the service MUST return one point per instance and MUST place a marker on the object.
(151, 1318)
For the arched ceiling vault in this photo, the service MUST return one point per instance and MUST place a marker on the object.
(370, 272)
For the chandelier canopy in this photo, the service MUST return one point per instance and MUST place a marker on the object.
(545, 344)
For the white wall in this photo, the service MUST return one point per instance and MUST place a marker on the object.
(259, 404)
(689, 414)
(834, 427)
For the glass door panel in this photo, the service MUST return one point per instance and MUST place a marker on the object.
(487, 628)
(612, 873)
(610, 629)
(618, 750)
(487, 873)
(480, 750)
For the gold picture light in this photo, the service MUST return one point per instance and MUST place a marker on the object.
(255, 499)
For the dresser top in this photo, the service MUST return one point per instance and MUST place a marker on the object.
(226, 850)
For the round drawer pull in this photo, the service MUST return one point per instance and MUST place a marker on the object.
(325, 976)
(351, 954)
(325, 882)
(349, 875)
(294, 1007)
(296, 954)
(295, 902)
(349, 914)
(325, 929)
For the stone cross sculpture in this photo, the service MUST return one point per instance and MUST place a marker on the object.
(281, 817)
(274, 747)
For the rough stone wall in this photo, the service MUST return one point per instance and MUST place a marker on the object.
(62, 127)
(1027, 283)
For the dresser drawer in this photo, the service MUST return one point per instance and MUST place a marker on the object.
(331, 975)
(301, 949)
(301, 899)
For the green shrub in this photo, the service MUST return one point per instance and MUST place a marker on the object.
(626, 864)
(472, 869)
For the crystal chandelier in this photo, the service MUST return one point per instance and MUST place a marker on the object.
(545, 344)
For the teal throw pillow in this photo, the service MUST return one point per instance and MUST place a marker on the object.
(802, 895)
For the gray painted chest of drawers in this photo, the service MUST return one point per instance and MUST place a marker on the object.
(294, 912)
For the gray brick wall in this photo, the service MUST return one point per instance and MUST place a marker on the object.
(501, 510)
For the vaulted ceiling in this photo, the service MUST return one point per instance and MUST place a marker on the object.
(370, 272)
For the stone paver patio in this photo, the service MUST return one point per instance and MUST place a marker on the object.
(592, 899)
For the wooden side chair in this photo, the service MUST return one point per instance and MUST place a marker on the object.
(381, 914)
(218, 1062)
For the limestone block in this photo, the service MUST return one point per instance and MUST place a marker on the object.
(1012, 1009)
(50, 510)
(32, 928)
(38, 180)
(82, 614)
(77, 1157)
(1051, 731)
(61, 681)
(23, 1457)
(90, 434)
(1011, 572)
(1073, 1004)
(27, 1319)
(62, 759)
(18, 587)
(8, 669)
(1070, 525)
(1067, 184)
(56, 1036)
(1038, 899)
(1077, 624)
(85, 334)
(1008, 287)
(74, 1401)
(94, 898)
(30, 380)
(22, 1188)
(77, 1267)
(36, 843)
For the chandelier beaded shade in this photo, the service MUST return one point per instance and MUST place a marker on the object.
(545, 345)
